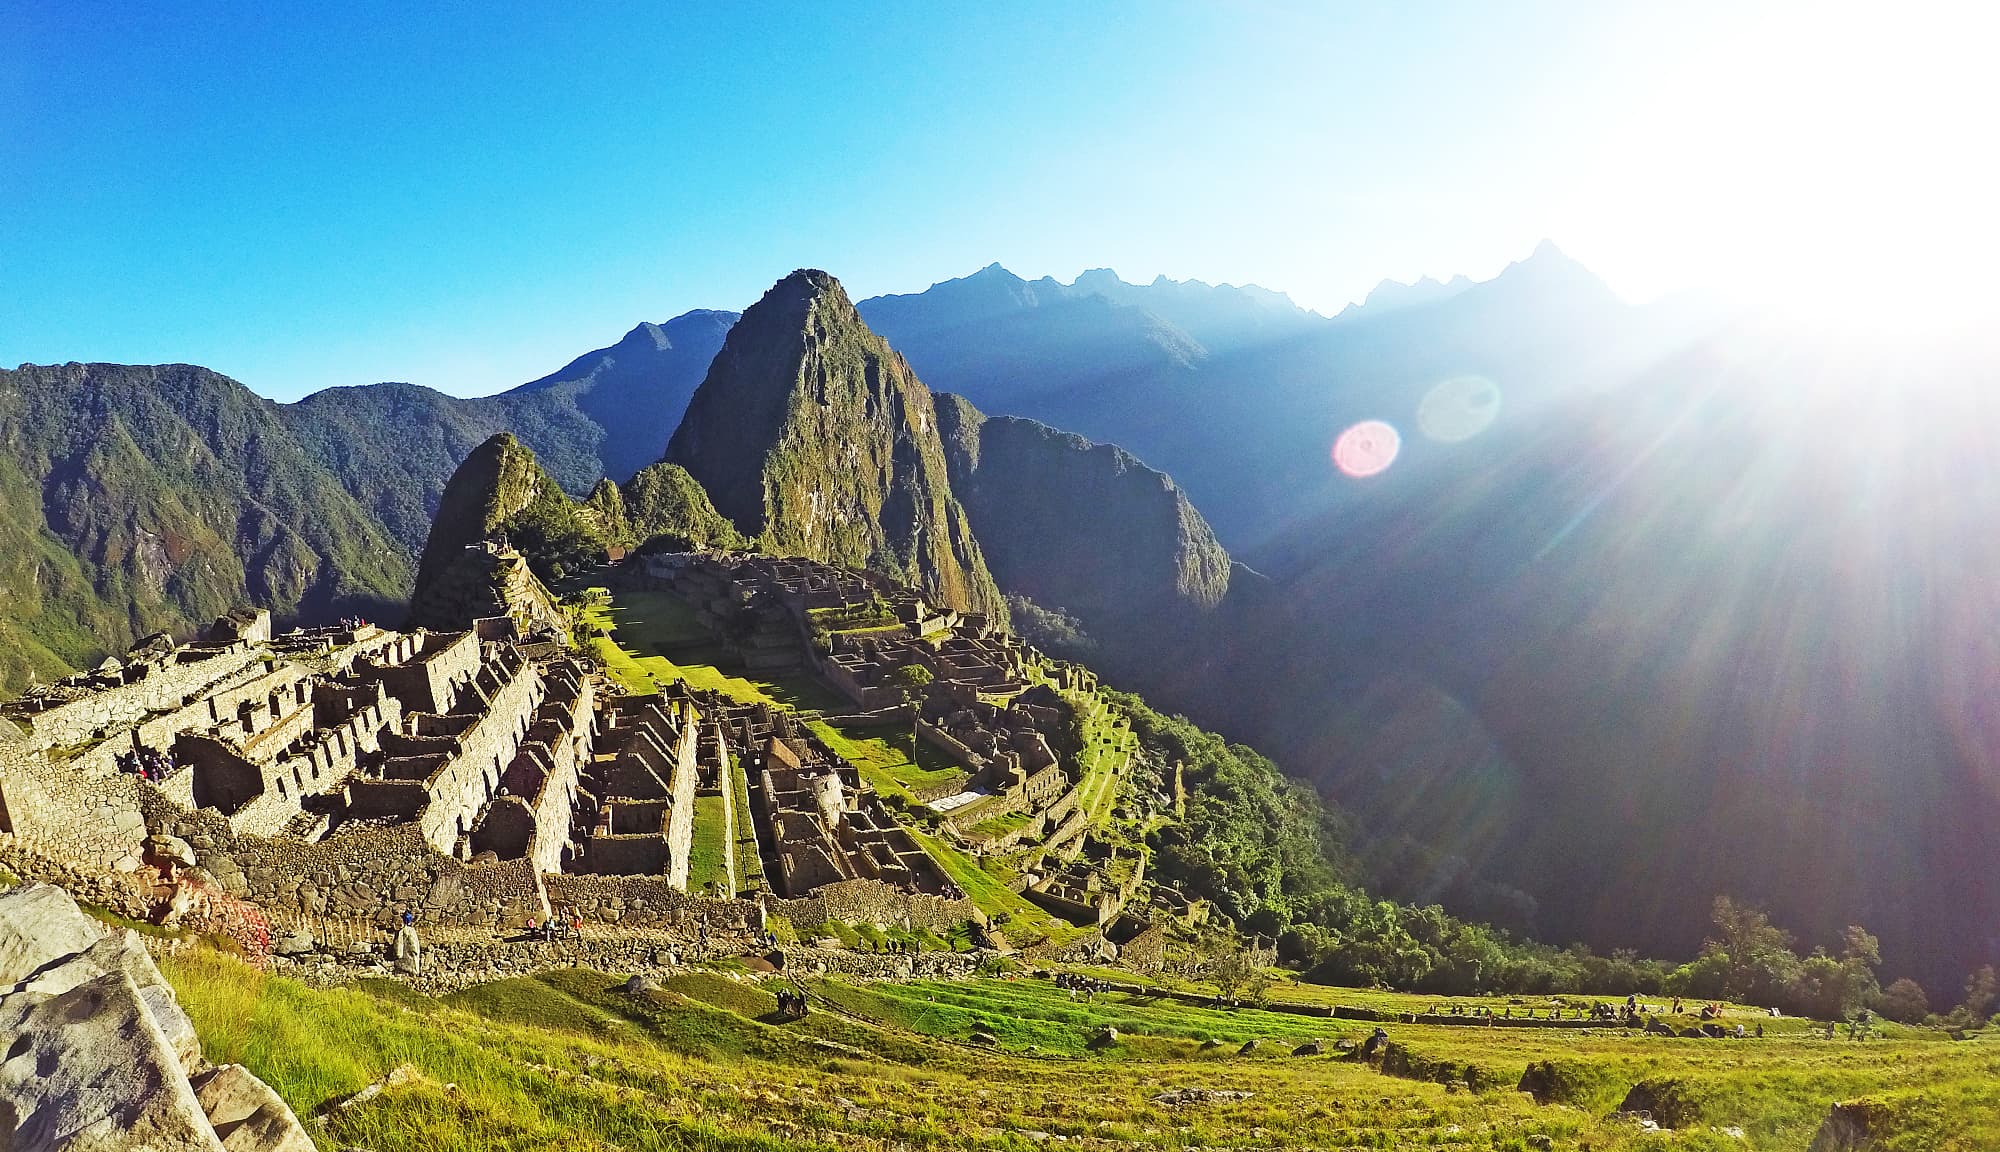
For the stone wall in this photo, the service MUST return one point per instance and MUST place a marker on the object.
(431, 682)
(873, 902)
(374, 874)
(461, 786)
(159, 687)
(682, 788)
(643, 902)
(85, 816)
(950, 745)
(554, 805)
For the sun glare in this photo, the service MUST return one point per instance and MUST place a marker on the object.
(1831, 162)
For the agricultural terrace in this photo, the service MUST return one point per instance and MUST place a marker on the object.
(647, 639)
(571, 1060)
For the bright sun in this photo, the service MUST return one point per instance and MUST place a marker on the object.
(1828, 161)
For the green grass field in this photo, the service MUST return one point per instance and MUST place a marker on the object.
(567, 1060)
(708, 850)
(892, 760)
(650, 639)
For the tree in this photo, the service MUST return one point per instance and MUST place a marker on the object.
(1762, 966)
(914, 676)
(1229, 967)
(1982, 995)
(1904, 1002)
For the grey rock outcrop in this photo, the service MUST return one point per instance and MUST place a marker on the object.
(246, 1114)
(99, 1053)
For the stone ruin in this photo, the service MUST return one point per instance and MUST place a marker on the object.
(357, 773)
(775, 614)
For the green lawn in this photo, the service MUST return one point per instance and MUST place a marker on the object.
(708, 851)
(567, 1060)
(639, 634)
(892, 760)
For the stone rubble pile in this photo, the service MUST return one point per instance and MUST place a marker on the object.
(96, 1053)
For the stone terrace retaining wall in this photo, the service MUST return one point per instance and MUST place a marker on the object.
(873, 902)
(375, 874)
(643, 902)
(74, 813)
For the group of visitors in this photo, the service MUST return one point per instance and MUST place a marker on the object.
(147, 764)
(792, 1004)
(565, 922)
(1087, 986)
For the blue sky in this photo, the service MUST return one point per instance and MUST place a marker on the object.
(466, 196)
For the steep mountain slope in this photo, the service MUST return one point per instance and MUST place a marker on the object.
(1723, 628)
(393, 446)
(1246, 426)
(633, 392)
(607, 413)
(139, 498)
(814, 437)
(1080, 526)
(501, 492)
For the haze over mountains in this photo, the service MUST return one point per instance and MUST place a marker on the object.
(1639, 594)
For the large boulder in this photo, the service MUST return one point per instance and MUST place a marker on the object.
(246, 1115)
(98, 1052)
(39, 924)
(90, 1068)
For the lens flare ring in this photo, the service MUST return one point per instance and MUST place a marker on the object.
(1366, 449)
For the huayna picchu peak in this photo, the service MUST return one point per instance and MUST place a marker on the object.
(815, 439)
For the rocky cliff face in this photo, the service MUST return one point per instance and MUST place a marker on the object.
(137, 498)
(1081, 526)
(813, 437)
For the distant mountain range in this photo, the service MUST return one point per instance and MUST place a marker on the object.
(1644, 606)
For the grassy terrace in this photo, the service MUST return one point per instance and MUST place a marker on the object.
(708, 851)
(568, 1061)
(749, 866)
(647, 639)
(892, 760)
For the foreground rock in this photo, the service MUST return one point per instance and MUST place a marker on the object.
(98, 1053)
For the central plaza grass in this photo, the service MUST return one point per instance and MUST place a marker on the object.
(647, 640)
(631, 634)
(567, 1060)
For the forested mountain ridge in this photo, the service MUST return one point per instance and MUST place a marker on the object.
(607, 413)
(140, 498)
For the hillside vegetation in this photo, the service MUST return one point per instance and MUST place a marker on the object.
(570, 1060)
(140, 499)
